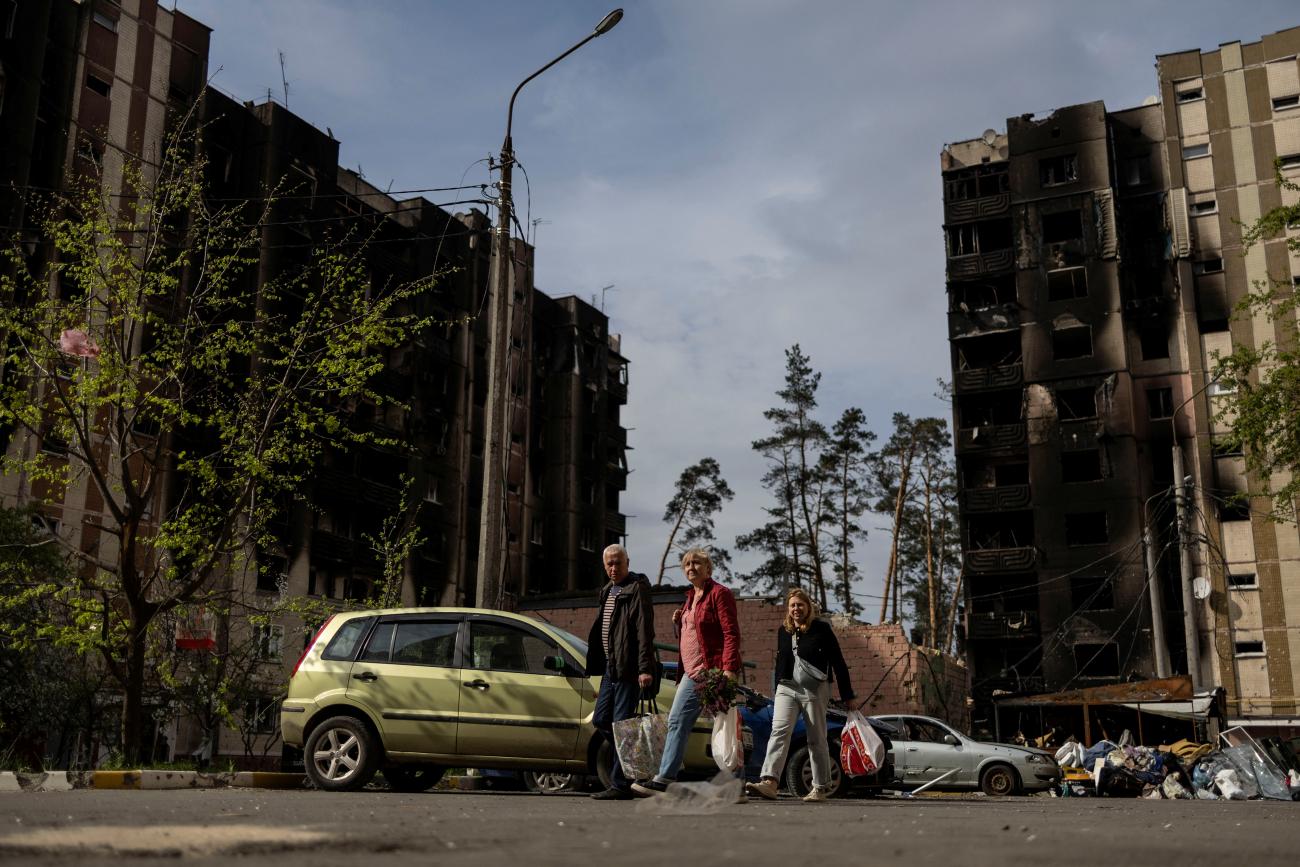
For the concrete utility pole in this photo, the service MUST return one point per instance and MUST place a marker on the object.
(1160, 645)
(492, 543)
(1185, 570)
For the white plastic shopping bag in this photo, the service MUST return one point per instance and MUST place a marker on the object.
(861, 749)
(728, 751)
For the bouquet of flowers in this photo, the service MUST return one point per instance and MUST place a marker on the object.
(717, 692)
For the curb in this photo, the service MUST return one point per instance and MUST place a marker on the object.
(62, 781)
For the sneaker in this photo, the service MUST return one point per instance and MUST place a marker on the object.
(763, 788)
(648, 788)
(816, 795)
(613, 794)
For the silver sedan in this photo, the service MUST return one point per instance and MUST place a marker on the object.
(926, 749)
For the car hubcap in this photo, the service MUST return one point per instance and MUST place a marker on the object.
(553, 782)
(337, 755)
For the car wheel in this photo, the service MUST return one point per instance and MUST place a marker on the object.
(998, 781)
(798, 774)
(551, 783)
(413, 778)
(341, 755)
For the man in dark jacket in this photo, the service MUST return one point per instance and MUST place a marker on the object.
(620, 649)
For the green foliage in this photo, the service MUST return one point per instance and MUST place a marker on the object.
(1260, 394)
(700, 494)
(200, 401)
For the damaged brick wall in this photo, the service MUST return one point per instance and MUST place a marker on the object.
(890, 673)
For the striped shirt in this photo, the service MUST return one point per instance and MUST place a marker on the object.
(607, 616)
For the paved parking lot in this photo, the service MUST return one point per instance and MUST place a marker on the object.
(304, 827)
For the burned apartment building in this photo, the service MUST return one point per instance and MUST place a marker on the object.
(96, 80)
(1094, 260)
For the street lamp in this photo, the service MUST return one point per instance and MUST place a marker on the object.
(492, 542)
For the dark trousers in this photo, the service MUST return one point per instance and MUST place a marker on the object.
(616, 701)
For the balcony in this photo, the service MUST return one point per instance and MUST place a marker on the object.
(992, 437)
(989, 378)
(975, 209)
(1005, 499)
(326, 546)
(1001, 560)
(335, 486)
(976, 265)
(617, 390)
(1008, 625)
(617, 522)
(1002, 317)
(377, 494)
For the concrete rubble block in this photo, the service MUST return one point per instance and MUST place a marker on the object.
(166, 779)
(9, 782)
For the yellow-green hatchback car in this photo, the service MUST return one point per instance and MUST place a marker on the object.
(414, 691)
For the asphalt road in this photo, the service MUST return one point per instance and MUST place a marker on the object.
(302, 827)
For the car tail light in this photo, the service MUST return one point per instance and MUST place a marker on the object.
(310, 644)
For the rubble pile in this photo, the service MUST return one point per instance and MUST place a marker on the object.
(1240, 767)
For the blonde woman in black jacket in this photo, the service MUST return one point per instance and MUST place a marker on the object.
(807, 658)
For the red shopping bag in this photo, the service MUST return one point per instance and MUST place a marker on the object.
(861, 749)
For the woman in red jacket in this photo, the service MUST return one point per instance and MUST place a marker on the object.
(709, 637)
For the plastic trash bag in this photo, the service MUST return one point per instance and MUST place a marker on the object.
(695, 798)
(728, 751)
(639, 742)
(861, 749)
(1229, 786)
(1071, 754)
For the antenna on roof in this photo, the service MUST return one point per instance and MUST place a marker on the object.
(284, 81)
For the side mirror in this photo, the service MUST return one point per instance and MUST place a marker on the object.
(951, 740)
(554, 663)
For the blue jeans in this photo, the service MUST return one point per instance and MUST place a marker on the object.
(616, 701)
(681, 719)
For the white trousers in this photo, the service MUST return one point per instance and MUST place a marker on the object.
(791, 700)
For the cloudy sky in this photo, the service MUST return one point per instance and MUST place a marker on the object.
(748, 174)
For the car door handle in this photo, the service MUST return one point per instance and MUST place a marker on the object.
(913, 749)
(367, 676)
(481, 685)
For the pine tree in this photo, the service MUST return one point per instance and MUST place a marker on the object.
(700, 494)
(847, 464)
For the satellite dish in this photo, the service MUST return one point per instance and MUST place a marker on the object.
(990, 137)
(1151, 100)
(1200, 588)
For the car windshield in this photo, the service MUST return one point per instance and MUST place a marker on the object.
(574, 641)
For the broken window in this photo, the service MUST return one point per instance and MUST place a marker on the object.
(1160, 403)
(1191, 94)
(1072, 342)
(1135, 171)
(1002, 594)
(1058, 170)
(1086, 528)
(1242, 580)
(1225, 449)
(1248, 648)
(1081, 466)
(1096, 660)
(984, 473)
(1000, 530)
(1203, 207)
(984, 294)
(1211, 265)
(1073, 404)
(988, 350)
(990, 408)
(1282, 103)
(1196, 151)
(1006, 475)
(98, 85)
(1091, 593)
(1066, 283)
(1062, 226)
(1154, 340)
(975, 183)
(983, 237)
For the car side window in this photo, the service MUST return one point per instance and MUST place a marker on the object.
(379, 647)
(501, 647)
(926, 731)
(426, 643)
(344, 643)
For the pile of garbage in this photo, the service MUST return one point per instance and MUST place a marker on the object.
(1240, 767)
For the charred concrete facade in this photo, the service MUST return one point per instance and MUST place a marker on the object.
(1094, 259)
